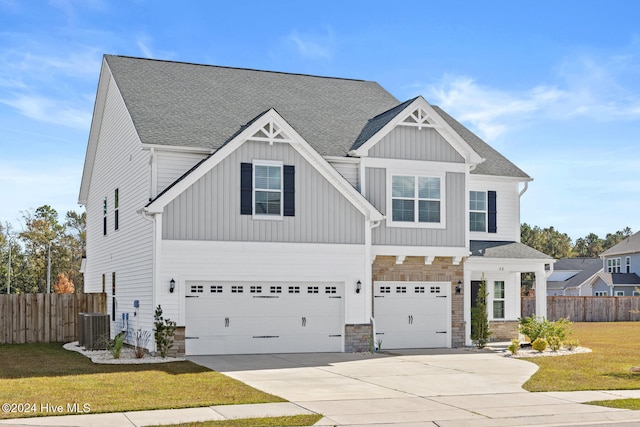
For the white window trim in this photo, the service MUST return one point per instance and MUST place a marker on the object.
(503, 299)
(416, 224)
(627, 264)
(601, 293)
(253, 190)
(485, 211)
(619, 293)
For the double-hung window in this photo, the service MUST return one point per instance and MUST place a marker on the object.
(267, 189)
(477, 211)
(416, 200)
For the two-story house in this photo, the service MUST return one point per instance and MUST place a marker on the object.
(277, 212)
(621, 266)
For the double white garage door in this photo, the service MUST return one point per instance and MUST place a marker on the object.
(263, 317)
(412, 314)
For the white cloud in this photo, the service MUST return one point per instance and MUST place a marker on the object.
(50, 110)
(313, 46)
(601, 89)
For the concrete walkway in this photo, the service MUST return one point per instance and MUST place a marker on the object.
(443, 388)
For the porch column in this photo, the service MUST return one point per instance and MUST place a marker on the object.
(541, 294)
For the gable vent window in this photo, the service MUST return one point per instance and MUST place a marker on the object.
(267, 189)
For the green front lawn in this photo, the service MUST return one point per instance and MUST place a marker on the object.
(47, 374)
(615, 349)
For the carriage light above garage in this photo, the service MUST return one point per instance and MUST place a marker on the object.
(172, 285)
(358, 286)
(459, 288)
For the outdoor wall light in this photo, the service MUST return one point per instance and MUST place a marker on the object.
(172, 285)
(358, 286)
(459, 287)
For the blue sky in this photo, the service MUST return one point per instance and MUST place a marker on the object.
(553, 85)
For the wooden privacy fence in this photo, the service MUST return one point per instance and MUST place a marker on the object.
(33, 318)
(587, 309)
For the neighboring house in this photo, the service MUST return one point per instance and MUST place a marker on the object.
(621, 264)
(573, 276)
(277, 212)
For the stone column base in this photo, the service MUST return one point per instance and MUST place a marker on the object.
(357, 338)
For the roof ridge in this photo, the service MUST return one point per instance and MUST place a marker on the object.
(241, 68)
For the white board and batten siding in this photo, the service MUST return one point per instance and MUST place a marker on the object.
(120, 163)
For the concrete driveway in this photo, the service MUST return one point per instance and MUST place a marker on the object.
(426, 387)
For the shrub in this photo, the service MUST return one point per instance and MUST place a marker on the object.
(164, 332)
(141, 338)
(536, 328)
(115, 345)
(554, 343)
(514, 346)
(540, 344)
(572, 344)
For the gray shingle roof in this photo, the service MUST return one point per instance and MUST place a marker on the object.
(490, 249)
(629, 245)
(495, 164)
(585, 268)
(203, 106)
(618, 279)
(192, 105)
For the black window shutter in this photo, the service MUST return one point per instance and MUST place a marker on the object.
(492, 226)
(246, 188)
(289, 191)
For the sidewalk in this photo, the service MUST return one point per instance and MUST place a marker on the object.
(165, 416)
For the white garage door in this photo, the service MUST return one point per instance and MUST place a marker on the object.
(412, 314)
(249, 317)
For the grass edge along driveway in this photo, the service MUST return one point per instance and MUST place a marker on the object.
(42, 378)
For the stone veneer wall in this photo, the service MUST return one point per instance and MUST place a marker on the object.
(356, 338)
(413, 269)
(178, 343)
(503, 330)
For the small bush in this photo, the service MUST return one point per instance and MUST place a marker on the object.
(554, 343)
(540, 344)
(571, 344)
(536, 328)
(115, 345)
(514, 346)
(141, 339)
(164, 332)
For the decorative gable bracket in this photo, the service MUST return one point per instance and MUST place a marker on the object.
(271, 133)
(418, 118)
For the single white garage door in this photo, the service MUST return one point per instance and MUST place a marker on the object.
(259, 317)
(412, 314)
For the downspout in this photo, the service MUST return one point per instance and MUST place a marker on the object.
(524, 189)
(369, 260)
(144, 213)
